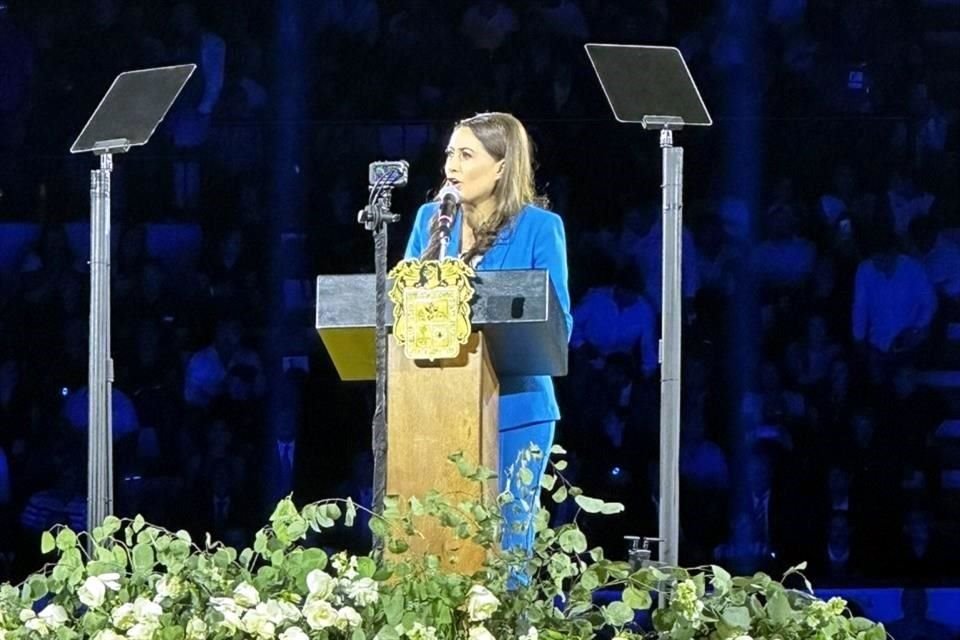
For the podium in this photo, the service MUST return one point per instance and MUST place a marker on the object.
(435, 408)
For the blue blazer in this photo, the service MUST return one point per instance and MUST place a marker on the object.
(534, 239)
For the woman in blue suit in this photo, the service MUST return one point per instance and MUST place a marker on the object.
(500, 226)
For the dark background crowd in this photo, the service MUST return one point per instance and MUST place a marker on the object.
(821, 370)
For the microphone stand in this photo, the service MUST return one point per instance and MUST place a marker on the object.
(375, 217)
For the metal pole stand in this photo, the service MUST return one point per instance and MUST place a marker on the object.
(100, 367)
(670, 344)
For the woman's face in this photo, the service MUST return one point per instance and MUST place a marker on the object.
(470, 167)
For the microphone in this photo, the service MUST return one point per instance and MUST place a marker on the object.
(449, 201)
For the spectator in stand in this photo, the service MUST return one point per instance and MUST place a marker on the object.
(488, 24)
(940, 257)
(191, 113)
(617, 319)
(783, 258)
(893, 305)
(206, 376)
(641, 247)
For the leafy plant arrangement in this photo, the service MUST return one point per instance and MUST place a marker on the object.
(128, 579)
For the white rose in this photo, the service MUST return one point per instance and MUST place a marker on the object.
(36, 624)
(230, 611)
(53, 615)
(92, 592)
(294, 633)
(122, 617)
(146, 611)
(743, 637)
(289, 611)
(143, 630)
(348, 617)
(272, 611)
(107, 634)
(110, 580)
(319, 614)
(246, 595)
(363, 592)
(196, 629)
(320, 584)
(480, 632)
(257, 624)
(481, 604)
(531, 634)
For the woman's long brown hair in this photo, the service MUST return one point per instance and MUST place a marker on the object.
(504, 138)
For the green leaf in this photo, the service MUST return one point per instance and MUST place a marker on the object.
(637, 599)
(596, 554)
(778, 608)
(66, 539)
(721, 580)
(590, 505)
(120, 557)
(557, 450)
(738, 617)
(393, 608)
(358, 634)
(589, 580)
(610, 508)
(366, 567)
(143, 557)
(573, 541)
(548, 481)
(617, 614)
(138, 523)
(559, 495)
(560, 465)
(47, 542)
(378, 527)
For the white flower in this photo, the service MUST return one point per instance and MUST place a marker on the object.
(289, 611)
(531, 634)
(246, 595)
(481, 604)
(53, 615)
(146, 611)
(348, 617)
(346, 567)
(257, 624)
(319, 614)
(107, 634)
(122, 617)
(294, 633)
(320, 584)
(480, 632)
(196, 629)
(92, 592)
(421, 632)
(272, 611)
(36, 624)
(743, 637)
(363, 592)
(143, 630)
(230, 611)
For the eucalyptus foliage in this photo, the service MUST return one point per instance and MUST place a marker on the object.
(129, 579)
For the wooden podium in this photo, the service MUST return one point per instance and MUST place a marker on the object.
(437, 408)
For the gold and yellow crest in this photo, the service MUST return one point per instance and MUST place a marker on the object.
(431, 307)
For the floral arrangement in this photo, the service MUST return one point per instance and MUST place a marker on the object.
(127, 579)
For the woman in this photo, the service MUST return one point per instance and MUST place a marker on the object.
(500, 226)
